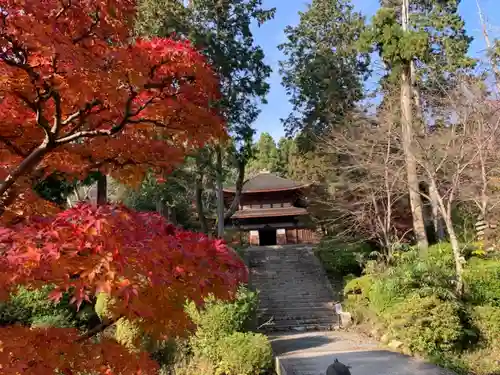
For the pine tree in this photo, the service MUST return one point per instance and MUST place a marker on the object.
(323, 71)
(222, 31)
(424, 47)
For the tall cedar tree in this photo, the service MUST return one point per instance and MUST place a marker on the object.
(323, 71)
(265, 156)
(222, 31)
(423, 44)
(439, 69)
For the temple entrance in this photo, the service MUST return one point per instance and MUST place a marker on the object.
(267, 237)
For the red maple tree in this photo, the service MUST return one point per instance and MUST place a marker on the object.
(79, 93)
(146, 265)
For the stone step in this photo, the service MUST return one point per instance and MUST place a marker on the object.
(293, 309)
(294, 291)
(307, 307)
(305, 320)
(297, 302)
(298, 327)
(296, 317)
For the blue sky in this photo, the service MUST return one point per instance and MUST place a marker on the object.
(271, 34)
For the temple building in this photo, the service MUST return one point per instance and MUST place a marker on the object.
(272, 211)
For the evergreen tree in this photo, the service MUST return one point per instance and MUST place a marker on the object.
(423, 45)
(266, 156)
(443, 57)
(222, 30)
(323, 71)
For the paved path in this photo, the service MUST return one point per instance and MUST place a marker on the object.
(311, 354)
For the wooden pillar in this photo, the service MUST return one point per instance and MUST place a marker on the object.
(254, 237)
(281, 236)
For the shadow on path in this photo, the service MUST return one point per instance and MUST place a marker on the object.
(378, 362)
(288, 343)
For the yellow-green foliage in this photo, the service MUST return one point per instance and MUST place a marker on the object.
(487, 320)
(128, 334)
(244, 354)
(427, 324)
(194, 366)
(221, 338)
(359, 286)
(217, 319)
(103, 306)
(482, 277)
(340, 258)
(414, 300)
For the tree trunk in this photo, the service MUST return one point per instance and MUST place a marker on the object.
(239, 186)
(457, 256)
(436, 217)
(407, 136)
(102, 190)
(25, 167)
(199, 203)
(220, 192)
(411, 165)
(487, 40)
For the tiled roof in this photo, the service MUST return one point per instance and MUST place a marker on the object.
(267, 182)
(269, 212)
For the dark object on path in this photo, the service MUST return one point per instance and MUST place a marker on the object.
(337, 368)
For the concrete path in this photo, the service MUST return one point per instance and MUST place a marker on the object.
(311, 354)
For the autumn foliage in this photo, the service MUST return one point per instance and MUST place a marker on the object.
(148, 267)
(79, 93)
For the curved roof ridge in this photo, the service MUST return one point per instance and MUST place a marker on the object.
(264, 182)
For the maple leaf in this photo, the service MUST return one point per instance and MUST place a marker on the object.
(159, 267)
(46, 350)
(78, 95)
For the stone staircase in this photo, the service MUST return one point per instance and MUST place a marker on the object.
(295, 294)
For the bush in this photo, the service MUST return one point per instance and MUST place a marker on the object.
(58, 321)
(487, 321)
(244, 354)
(170, 353)
(431, 275)
(129, 334)
(482, 277)
(33, 307)
(193, 366)
(427, 324)
(25, 305)
(341, 259)
(357, 292)
(218, 319)
(359, 286)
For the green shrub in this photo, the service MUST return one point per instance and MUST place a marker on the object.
(33, 306)
(482, 277)
(244, 354)
(427, 325)
(341, 259)
(217, 319)
(193, 366)
(25, 304)
(429, 275)
(128, 334)
(58, 321)
(359, 286)
(487, 321)
(170, 353)
(357, 303)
